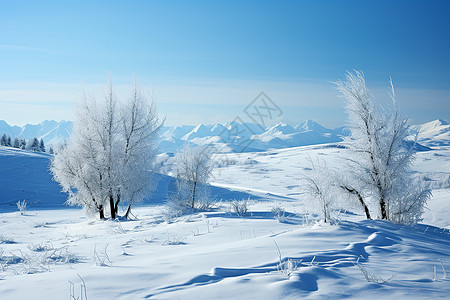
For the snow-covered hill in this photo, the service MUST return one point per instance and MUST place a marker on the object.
(52, 252)
(434, 133)
(26, 176)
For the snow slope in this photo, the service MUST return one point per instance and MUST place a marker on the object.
(219, 256)
(48, 254)
(25, 176)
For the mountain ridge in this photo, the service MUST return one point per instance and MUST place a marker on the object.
(237, 137)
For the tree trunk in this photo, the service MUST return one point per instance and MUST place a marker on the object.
(128, 211)
(102, 213)
(116, 205)
(366, 209)
(111, 204)
(361, 200)
(384, 215)
(193, 194)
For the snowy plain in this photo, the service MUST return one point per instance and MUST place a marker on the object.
(52, 251)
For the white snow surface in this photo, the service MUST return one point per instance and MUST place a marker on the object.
(50, 251)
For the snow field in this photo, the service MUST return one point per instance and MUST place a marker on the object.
(219, 255)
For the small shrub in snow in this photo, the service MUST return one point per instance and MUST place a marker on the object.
(33, 264)
(9, 259)
(174, 240)
(22, 206)
(240, 207)
(116, 227)
(171, 214)
(279, 214)
(41, 247)
(62, 255)
(36, 261)
(6, 240)
(288, 267)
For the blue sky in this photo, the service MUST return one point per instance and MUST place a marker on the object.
(206, 60)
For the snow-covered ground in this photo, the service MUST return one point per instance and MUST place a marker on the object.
(50, 252)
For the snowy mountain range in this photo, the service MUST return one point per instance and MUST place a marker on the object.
(52, 132)
(234, 136)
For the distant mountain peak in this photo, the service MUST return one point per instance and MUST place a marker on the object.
(441, 122)
(200, 127)
(310, 125)
(281, 127)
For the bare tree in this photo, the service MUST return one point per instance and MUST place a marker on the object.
(78, 179)
(192, 170)
(320, 189)
(110, 155)
(379, 160)
(139, 129)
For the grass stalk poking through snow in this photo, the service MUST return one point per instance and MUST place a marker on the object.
(371, 277)
(443, 269)
(102, 259)
(288, 266)
(83, 290)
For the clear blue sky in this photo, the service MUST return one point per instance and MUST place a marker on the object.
(206, 60)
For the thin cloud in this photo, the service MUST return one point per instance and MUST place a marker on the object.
(31, 49)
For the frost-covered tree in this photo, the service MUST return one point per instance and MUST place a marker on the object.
(379, 160)
(16, 143)
(352, 189)
(320, 189)
(138, 129)
(192, 170)
(112, 147)
(79, 178)
(23, 144)
(4, 140)
(41, 145)
(33, 145)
